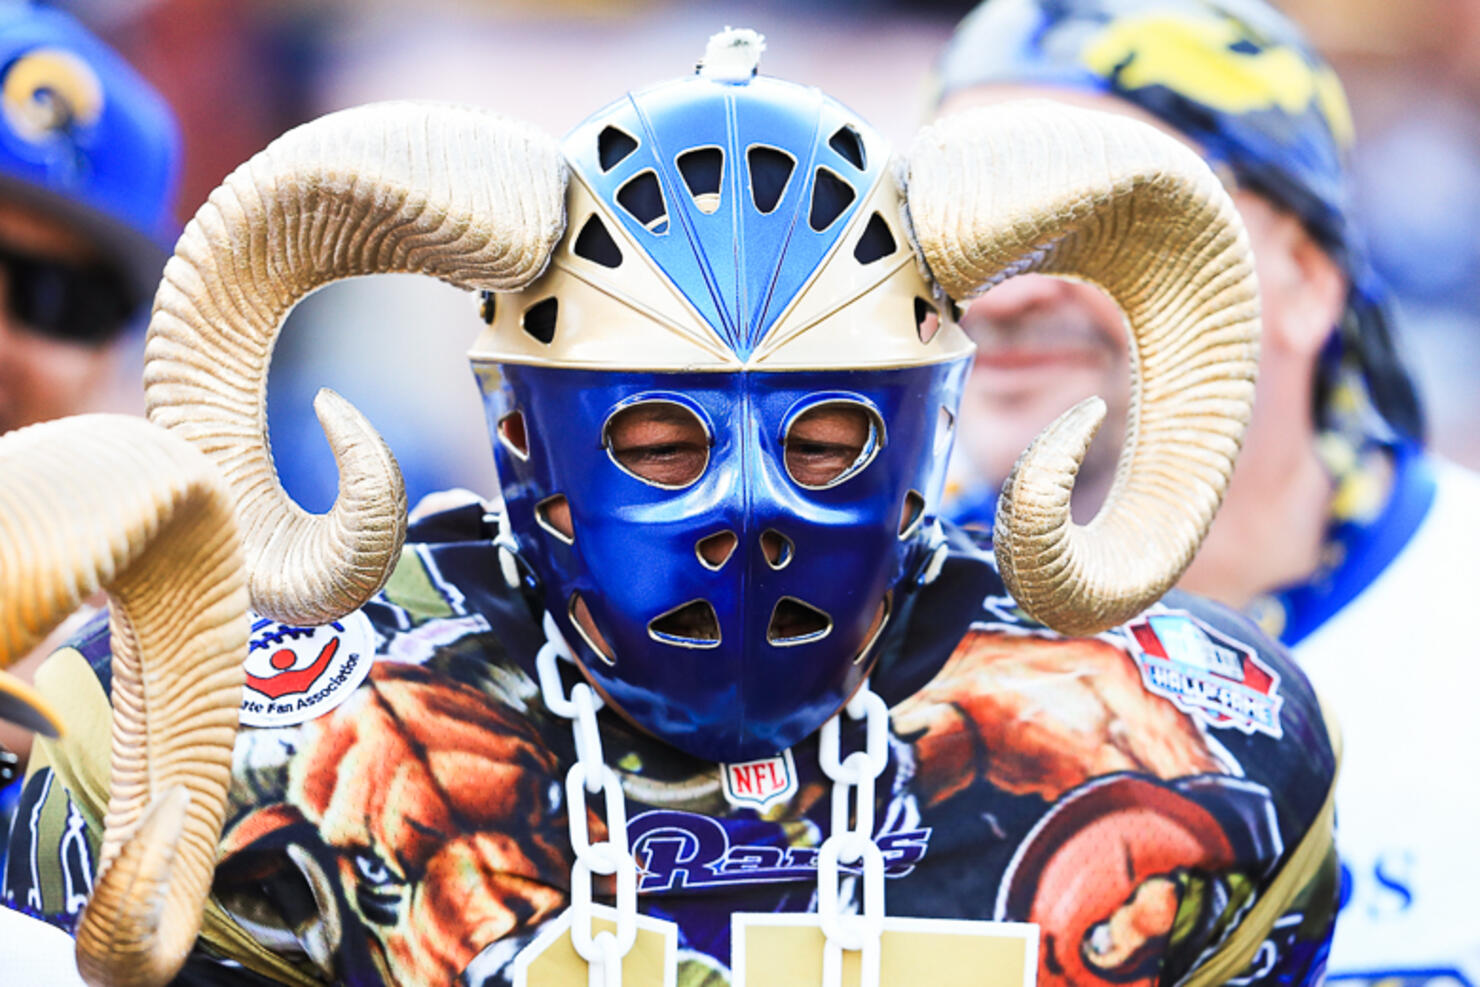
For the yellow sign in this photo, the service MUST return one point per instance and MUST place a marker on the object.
(785, 950)
(551, 961)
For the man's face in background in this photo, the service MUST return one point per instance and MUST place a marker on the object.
(45, 374)
(1044, 344)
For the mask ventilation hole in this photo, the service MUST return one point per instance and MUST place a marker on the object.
(580, 615)
(715, 550)
(876, 629)
(511, 433)
(927, 320)
(487, 307)
(876, 243)
(830, 196)
(693, 625)
(795, 622)
(703, 170)
(777, 548)
(642, 196)
(612, 146)
(945, 430)
(770, 170)
(539, 320)
(553, 514)
(914, 510)
(847, 143)
(596, 245)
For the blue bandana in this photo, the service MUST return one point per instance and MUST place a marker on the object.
(1237, 78)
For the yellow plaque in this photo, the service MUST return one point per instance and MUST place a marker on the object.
(785, 950)
(550, 960)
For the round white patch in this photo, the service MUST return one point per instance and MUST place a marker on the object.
(297, 673)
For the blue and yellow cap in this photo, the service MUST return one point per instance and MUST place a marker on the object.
(1237, 78)
(84, 137)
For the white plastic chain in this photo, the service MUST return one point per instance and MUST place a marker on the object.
(603, 951)
(851, 839)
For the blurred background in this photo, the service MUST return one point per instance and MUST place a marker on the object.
(239, 73)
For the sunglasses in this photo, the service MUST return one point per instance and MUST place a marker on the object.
(88, 304)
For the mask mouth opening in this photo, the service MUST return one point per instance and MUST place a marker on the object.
(794, 622)
(692, 625)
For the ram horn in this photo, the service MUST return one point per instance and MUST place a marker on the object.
(114, 502)
(457, 193)
(1037, 186)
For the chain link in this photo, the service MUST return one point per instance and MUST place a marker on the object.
(851, 839)
(603, 951)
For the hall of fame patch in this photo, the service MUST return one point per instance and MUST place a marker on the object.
(1206, 673)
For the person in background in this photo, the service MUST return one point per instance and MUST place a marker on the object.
(1340, 533)
(89, 155)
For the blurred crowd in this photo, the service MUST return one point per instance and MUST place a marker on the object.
(239, 74)
(1307, 558)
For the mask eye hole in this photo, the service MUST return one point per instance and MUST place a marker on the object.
(828, 443)
(660, 442)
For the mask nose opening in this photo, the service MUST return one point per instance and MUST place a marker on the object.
(777, 548)
(794, 622)
(693, 625)
(715, 550)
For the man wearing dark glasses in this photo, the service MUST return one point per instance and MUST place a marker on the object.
(88, 158)
(88, 161)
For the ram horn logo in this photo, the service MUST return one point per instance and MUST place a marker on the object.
(49, 92)
(294, 679)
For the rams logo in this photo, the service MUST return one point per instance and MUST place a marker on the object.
(1216, 63)
(47, 92)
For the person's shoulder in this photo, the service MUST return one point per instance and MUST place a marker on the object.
(1184, 726)
(1211, 663)
(454, 515)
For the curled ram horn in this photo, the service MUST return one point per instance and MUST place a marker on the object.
(1036, 186)
(453, 192)
(114, 502)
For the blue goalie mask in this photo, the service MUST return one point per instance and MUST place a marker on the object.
(721, 415)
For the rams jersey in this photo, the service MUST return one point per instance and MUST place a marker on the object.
(1151, 800)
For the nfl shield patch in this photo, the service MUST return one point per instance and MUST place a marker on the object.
(761, 783)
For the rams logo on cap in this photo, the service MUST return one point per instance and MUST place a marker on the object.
(48, 91)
